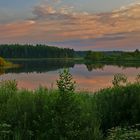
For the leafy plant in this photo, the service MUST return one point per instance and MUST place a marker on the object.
(5, 131)
(59, 114)
(9, 84)
(119, 79)
(126, 133)
(65, 83)
(138, 78)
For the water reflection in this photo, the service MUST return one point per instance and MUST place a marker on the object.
(2, 71)
(88, 76)
(41, 65)
(101, 65)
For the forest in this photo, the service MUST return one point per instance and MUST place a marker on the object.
(34, 51)
(45, 51)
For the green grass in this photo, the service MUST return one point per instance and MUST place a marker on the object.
(47, 115)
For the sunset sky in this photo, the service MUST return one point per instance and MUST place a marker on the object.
(78, 24)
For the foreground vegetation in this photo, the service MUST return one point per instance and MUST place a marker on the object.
(63, 114)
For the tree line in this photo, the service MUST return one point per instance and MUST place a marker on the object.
(112, 56)
(34, 51)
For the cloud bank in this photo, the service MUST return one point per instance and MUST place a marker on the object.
(64, 26)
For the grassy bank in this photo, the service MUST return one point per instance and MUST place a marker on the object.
(6, 64)
(109, 114)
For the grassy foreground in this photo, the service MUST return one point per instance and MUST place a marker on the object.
(109, 114)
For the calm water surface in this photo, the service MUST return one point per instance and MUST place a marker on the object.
(89, 77)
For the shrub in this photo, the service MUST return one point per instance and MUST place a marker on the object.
(65, 114)
(138, 78)
(4, 63)
(11, 85)
(119, 79)
(65, 83)
(118, 106)
(5, 131)
(120, 133)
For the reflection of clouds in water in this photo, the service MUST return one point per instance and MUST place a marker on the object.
(86, 80)
(108, 70)
(33, 80)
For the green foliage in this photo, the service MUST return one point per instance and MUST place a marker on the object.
(5, 131)
(94, 56)
(70, 114)
(119, 106)
(50, 114)
(113, 56)
(119, 79)
(138, 78)
(65, 83)
(47, 114)
(10, 85)
(4, 63)
(120, 133)
(34, 51)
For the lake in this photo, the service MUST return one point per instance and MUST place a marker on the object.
(90, 77)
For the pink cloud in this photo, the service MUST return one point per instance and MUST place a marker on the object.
(51, 25)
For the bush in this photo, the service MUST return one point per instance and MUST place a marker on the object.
(118, 106)
(4, 63)
(119, 79)
(72, 118)
(65, 83)
(138, 78)
(65, 114)
(120, 133)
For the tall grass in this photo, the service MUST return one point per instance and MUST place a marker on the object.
(48, 115)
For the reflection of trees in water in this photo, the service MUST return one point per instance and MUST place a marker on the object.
(90, 67)
(135, 64)
(51, 65)
(2, 71)
(41, 65)
(100, 65)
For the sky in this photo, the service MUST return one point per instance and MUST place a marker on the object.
(77, 24)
